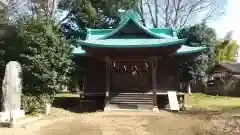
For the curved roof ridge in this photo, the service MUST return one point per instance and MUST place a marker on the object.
(125, 22)
(120, 26)
(130, 14)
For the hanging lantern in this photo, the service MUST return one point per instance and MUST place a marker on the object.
(125, 68)
(146, 67)
(134, 73)
(136, 68)
(114, 64)
(146, 64)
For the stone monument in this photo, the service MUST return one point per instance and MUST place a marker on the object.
(11, 93)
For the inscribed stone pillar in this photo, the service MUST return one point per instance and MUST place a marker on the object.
(12, 87)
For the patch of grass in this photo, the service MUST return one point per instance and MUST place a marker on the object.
(66, 94)
(204, 101)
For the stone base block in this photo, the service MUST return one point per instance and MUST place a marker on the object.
(6, 116)
(107, 108)
(155, 109)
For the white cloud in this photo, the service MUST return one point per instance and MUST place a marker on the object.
(230, 21)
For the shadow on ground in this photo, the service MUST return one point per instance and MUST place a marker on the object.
(4, 124)
(213, 112)
(67, 103)
(72, 104)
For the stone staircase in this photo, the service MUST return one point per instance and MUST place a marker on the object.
(131, 101)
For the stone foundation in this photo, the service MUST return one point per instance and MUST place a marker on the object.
(6, 116)
(107, 108)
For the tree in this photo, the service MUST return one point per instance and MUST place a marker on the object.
(2, 18)
(34, 39)
(197, 35)
(201, 35)
(84, 14)
(7, 34)
(41, 48)
(226, 51)
(48, 6)
(177, 13)
(47, 55)
(190, 72)
(230, 51)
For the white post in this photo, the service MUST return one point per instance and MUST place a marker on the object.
(47, 109)
(189, 89)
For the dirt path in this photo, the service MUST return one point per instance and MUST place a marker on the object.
(116, 123)
(32, 128)
(124, 123)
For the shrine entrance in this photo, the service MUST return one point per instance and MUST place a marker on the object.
(130, 77)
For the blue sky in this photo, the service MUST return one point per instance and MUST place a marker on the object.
(230, 21)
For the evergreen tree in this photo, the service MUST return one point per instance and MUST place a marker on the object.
(199, 35)
(46, 56)
(84, 14)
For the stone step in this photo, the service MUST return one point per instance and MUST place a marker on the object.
(130, 98)
(134, 98)
(131, 102)
(128, 107)
(140, 95)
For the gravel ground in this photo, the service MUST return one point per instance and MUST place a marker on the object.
(124, 123)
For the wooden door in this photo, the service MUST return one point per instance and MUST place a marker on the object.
(130, 77)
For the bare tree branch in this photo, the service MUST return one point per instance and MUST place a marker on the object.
(156, 12)
(141, 13)
(178, 13)
(151, 14)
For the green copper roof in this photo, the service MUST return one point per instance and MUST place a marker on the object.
(156, 37)
(130, 17)
(183, 50)
(130, 43)
(188, 49)
(126, 22)
(78, 50)
(93, 34)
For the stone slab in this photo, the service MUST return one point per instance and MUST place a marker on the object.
(173, 101)
(12, 87)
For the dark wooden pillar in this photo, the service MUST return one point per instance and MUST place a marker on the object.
(154, 82)
(107, 92)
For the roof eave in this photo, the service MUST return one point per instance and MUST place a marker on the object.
(96, 45)
(192, 51)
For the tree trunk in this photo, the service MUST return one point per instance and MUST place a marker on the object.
(189, 89)
(141, 14)
(156, 13)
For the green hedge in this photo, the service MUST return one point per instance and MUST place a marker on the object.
(35, 103)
